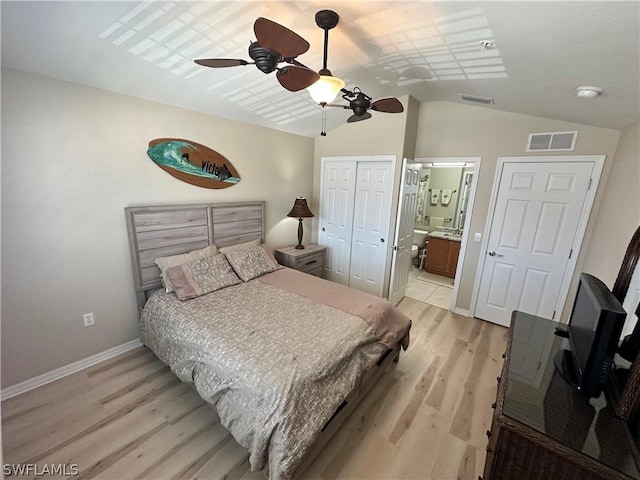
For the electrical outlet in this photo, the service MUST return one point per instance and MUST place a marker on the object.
(88, 319)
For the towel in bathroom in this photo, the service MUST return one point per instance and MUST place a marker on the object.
(446, 196)
(436, 221)
(435, 196)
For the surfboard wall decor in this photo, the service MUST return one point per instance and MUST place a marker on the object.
(193, 163)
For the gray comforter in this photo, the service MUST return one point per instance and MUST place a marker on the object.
(274, 363)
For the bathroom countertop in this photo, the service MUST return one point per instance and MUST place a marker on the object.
(446, 236)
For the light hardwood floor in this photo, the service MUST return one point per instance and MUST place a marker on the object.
(131, 418)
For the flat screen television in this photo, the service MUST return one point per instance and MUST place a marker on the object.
(594, 329)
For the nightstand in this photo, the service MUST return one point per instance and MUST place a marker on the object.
(310, 259)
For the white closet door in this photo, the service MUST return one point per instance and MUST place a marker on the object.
(336, 218)
(371, 217)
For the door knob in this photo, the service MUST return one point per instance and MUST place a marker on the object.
(492, 253)
(382, 240)
(323, 229)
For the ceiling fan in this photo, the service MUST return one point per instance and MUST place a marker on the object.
(359, 102)
(274, 44)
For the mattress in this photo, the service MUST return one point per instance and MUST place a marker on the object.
(276, 356)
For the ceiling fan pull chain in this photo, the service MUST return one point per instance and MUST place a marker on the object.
(323, 133)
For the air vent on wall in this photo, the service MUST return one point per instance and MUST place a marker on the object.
(476, 98)
(552, 141)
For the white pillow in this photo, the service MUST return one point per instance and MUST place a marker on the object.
(174, 260)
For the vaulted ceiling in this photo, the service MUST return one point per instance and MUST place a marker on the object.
(538, 53)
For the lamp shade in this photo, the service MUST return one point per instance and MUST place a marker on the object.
(300, 209)
(326, 89)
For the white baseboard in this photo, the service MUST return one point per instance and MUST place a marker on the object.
(61, 372)
(461, 311)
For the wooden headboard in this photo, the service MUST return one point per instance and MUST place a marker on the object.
(159, 231)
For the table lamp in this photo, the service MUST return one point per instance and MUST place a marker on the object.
(300, 210)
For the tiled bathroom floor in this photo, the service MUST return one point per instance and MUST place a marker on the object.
(429, 288)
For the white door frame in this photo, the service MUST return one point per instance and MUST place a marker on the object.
(598, 161)
(391, 229)
(465, 233)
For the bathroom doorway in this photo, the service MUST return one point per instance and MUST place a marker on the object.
(443, 215)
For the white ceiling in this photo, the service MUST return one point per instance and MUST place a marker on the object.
(431, 51)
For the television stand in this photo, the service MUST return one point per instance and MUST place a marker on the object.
(543, 428)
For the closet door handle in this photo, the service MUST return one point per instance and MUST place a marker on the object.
(493, 253)
(323, 229)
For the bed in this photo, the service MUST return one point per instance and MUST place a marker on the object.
(283, 356)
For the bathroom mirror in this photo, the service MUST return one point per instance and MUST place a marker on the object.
(443, 196)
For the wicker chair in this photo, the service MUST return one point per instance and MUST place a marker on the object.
(628, 403)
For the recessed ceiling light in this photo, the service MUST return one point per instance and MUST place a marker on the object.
(589, 92)
(448, 164)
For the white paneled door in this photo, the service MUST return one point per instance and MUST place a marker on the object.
(401, 263)
(537, 212)
(371, 218)
(354, 219)
(336, 218)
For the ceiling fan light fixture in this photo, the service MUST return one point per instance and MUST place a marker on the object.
(326, 89)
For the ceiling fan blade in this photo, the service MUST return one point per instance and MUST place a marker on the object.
(220, 62)
(388, 105)
(274, 36)
(358, 118)
(295, 78)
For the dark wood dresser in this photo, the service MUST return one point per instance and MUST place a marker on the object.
(542, 427)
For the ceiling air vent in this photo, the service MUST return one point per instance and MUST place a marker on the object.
(552, 142)
(476, 99)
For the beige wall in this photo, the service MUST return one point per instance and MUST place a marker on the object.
(411, 129)
(619, 214)
(455, 130)
(72, 158)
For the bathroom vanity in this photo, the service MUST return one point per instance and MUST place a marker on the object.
(442, 253)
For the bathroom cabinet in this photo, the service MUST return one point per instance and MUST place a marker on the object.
(442, 256)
